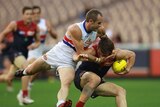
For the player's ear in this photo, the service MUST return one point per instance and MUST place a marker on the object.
(113, 51)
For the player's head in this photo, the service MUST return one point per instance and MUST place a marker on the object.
(36, 13)
(27, 14)
(105, 46)
(95, 18)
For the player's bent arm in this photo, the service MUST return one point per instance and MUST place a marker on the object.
(50, 30)
(87, 57)
(11, 27)
(128, 55)
(76, 36)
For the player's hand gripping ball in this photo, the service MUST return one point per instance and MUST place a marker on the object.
(119, 66)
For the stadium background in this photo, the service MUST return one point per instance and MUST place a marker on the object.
(137, 22)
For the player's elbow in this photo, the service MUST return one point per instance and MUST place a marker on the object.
(132, 54)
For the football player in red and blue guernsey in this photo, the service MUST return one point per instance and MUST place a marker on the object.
(89, 76)
(24, 31)
(45, 29)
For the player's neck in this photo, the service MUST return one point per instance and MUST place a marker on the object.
(26, 23)
(87, 26)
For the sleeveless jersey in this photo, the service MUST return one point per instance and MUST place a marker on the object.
(87, 37)
(23, 37)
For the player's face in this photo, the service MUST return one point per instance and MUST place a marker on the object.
(36, 14)
(27, 16)
(97, 24)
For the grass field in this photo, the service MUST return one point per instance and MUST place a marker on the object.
(140, 93)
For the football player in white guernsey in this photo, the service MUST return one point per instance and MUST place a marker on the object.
(45, 28)
(77, 39)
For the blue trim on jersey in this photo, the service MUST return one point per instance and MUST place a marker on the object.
(85, 27)
(69, 45)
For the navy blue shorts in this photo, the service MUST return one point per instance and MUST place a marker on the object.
(87, 66)
(78, 79)
(13, 54)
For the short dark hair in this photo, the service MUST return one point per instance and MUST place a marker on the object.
(37, 7)
(106, 45)
(26, 8)
(93, 14)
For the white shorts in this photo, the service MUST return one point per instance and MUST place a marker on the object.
(38, 52)
(60, 56)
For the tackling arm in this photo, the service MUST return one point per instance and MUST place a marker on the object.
(81, 54)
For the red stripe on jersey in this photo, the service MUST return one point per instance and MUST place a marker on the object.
(42, 37)
(68, 40)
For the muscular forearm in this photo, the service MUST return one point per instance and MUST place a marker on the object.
(87, 57)
(131, 61)
(95, 59)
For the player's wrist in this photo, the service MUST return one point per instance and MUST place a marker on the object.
(127, 70)
(98, 60)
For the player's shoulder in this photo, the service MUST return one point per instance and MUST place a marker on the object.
(13, 24)
(116, 50)
(74, 29)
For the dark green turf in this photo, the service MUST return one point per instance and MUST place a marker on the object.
(140, 93)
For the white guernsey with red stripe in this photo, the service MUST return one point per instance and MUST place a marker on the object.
(87, 37)
(61, 54)
(36, 53)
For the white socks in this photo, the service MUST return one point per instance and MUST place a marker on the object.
(24, 72)
(60, 102)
